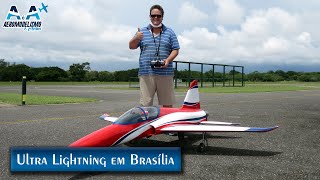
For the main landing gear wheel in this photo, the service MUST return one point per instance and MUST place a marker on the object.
(181, 139)
(181, 136)
(202, 146)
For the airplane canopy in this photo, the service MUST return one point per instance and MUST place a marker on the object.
(138, 114)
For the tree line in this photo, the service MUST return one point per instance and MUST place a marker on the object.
(82, 72)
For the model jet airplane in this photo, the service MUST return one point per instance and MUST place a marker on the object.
(140, 122)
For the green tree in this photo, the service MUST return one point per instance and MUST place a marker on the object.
(92, 76)
(125, 75)
(292, 75)
(268, 78)
(3, 63)
(49, 74)
(15, 72)
(282, 74)
(78, 71)
(106, 76)
(234, 71)
(255, 76)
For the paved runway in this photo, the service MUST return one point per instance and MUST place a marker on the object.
(290, 152)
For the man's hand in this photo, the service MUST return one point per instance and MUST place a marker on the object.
(171, 57)
(133, 43)
(166, 63)
(139, 35)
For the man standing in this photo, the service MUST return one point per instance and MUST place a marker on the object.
(159, 46)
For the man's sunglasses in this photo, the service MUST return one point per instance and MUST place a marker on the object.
(156, 15)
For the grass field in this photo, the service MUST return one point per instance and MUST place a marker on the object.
(253, 87)
(15, 99)
(250, 87)
(60, 83)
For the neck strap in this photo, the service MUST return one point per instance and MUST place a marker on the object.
(155, 44)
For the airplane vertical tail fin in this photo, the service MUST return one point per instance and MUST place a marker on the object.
(192, 100)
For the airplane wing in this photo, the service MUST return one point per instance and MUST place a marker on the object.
(218, 123)
(214, 128)
(107, 117)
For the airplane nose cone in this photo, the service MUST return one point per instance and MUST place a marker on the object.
(103, 137)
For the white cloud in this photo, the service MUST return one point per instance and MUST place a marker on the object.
(270, 22)
(190, 15)
(275, 45)
(116, 34)
(71, 34)
(229, 12)
(96, 31)
(266, 36)
(79, 19)
(304, 38)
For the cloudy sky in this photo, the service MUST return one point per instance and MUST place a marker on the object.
(260, 35)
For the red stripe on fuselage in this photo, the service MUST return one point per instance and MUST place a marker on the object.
(105, 137)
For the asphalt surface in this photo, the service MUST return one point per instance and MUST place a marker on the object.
(289, 152)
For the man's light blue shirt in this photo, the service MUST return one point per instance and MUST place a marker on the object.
(148, 50)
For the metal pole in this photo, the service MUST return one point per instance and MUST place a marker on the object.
(223, 76)
(213, 76)
(242, 75)
(176, 75)
(189, 74)
(201, 75)
(24, 89)
(233, 76)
